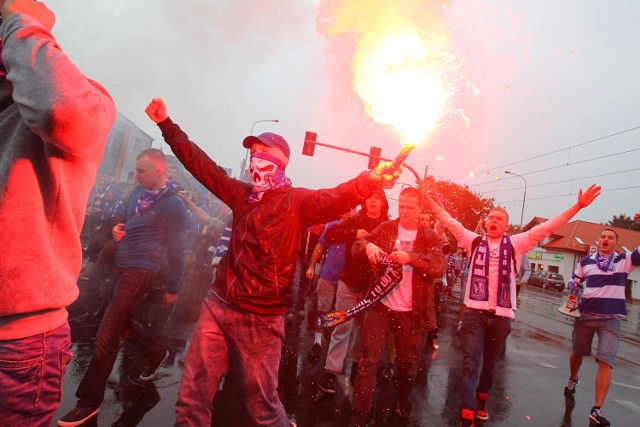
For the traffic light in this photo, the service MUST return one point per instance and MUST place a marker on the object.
(309, 143)
(374, 157)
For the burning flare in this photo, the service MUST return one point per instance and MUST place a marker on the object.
(402, 64)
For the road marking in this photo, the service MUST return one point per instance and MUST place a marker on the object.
(628, 405)
(626, 385)
(547, 365)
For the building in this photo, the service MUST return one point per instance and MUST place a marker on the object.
(125, 141)
(563, 250)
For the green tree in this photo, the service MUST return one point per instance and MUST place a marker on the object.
(463, 204)
(624, 221)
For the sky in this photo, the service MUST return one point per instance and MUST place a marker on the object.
(545, 89)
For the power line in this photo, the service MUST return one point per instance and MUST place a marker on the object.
(571, 193)
(555, 151)
(566, 180)
(562, 166)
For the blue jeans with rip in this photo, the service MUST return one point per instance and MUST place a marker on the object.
(226, 334)
(131, 286)
(31, 374)
(483, 337)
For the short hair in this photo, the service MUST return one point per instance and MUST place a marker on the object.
(611, 230)
(412, 192)
(500, 209)
(155, 155)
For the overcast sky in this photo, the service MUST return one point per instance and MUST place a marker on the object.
(551, 76)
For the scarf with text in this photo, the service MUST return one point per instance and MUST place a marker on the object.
(479, 290)
(387, 276)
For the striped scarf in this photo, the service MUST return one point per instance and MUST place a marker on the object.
(479, 290)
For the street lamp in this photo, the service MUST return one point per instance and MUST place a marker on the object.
(524, 198)
(246, 156)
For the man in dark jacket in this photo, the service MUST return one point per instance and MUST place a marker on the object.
(407, 311)
(242, 318)
(352, 286)
(156, 221)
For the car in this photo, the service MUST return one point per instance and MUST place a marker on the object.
(546, 280)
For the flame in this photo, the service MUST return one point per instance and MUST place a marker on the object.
(403, 67)
(401, 84)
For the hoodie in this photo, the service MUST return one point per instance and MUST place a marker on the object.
(54, 123)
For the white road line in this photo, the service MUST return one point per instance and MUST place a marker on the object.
(547, 365)
(626, 385)
(628, 405)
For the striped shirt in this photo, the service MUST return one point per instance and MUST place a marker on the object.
(604, 290)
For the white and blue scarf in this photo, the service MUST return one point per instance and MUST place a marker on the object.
(479, 283)
(148, 198)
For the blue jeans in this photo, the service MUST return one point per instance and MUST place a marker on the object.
(31, 374)
(131, 286)
(345, 336)
(252, 343)
(483, 336)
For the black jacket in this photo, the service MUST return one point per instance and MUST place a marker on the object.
(258, 269)
(427, 261)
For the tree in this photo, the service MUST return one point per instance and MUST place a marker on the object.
(462, 203)
(624, 221)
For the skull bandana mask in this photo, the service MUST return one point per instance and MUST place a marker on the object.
(267, 173)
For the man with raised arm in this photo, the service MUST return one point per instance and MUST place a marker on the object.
(603, 276)
(490, 297)
(242, 317)
(54, 124)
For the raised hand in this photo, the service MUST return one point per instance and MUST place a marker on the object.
(156, 110)
(36, 9)
(589, 195)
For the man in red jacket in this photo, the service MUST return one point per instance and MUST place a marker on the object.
(242, 318)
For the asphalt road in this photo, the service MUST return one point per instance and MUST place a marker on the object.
(528, 389)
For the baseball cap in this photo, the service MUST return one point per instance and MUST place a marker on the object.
(269, 139)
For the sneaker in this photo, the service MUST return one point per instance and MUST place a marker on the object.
(78, 416)
(151, 372)
(570, 389)
(481, 403)
(327, 383)
(467, 417)
(597, 417)
(404, 408)
(389, 372)
(314, 353)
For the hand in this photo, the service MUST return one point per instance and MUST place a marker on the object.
(386, 171)
(169, 299)
(309, 273)
(183, 195)
(117, 232)
(156, 110)
(401, 257)
(361, 233)
(591, 193)
(37, 10)
(373, 253)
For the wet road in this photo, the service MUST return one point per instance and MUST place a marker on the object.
(527, 390)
